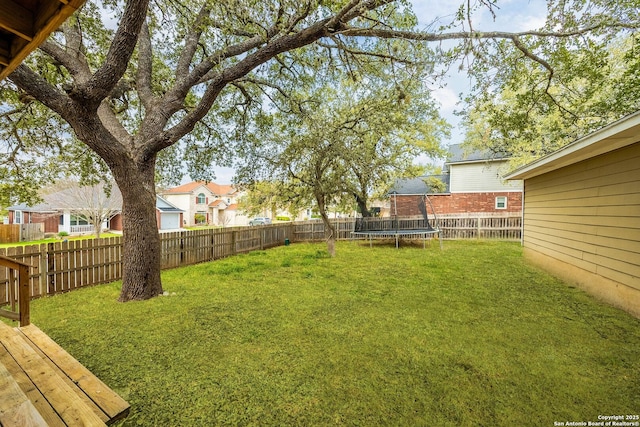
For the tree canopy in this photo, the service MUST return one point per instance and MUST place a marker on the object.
(136, 84)
(345, 143)
(533, 108)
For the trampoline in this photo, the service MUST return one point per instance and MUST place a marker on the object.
(396, 227)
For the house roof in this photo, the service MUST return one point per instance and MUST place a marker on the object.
(418, 186)
(74, 197)
(165, 206)
(67, 200)
(216, 203)
(619, 134)
(25, 24)
(190, 187)
(459, 154)
(41, 207)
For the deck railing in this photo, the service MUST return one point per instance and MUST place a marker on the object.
(17, 289)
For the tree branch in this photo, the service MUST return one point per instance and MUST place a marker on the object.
(39, 88)
(145, 67)
(191, 42)
(117, 58)
(465, 35)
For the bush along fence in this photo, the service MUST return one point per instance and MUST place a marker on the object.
(68, 265)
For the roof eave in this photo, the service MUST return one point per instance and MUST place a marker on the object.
(24, 41)
(460, 162)
(619, 134)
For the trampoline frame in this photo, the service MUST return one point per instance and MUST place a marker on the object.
(398, 232)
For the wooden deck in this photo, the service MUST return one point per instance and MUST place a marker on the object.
(43, 385)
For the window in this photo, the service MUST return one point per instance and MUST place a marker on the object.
(17, 217)
(501, 202)
(78, 220)
(201, 199)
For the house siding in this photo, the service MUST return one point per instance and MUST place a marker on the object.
(480, 177)
(50, 221)
(583, 223)
(187, 203)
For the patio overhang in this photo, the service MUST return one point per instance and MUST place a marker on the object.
(25, 24)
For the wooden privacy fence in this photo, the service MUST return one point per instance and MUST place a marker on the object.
(64, 266)
(481, 226)
(478, 226)
(10, 233)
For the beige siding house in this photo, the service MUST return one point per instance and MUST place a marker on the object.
(582, 213)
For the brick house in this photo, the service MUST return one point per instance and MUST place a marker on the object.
(471, 183)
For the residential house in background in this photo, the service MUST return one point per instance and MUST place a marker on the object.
(471, 183)
(207, 203)
(168, 217)
(68, 211)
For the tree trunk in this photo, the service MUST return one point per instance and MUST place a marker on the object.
(330, 230)
(362, 206)
(141, 254)
(97, 225)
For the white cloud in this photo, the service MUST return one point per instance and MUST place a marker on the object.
(446, 97)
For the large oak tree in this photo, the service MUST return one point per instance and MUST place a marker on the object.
(133, 84)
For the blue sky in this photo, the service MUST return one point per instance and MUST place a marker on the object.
(512, 15)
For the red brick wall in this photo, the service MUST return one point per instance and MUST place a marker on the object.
(458, 203)
(115, 223)
(51, 221)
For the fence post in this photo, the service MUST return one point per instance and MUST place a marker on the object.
(478, 227)
(233, 242)
(212, 241)
(181, 235)
(42, 266)
(51, 280)
(25, 295)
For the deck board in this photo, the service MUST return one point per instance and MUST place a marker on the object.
(51, 383)
(15, 406)
(30, 390)
(107, 404)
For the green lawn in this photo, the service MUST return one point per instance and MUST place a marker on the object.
(467, 336)
(57, 239)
